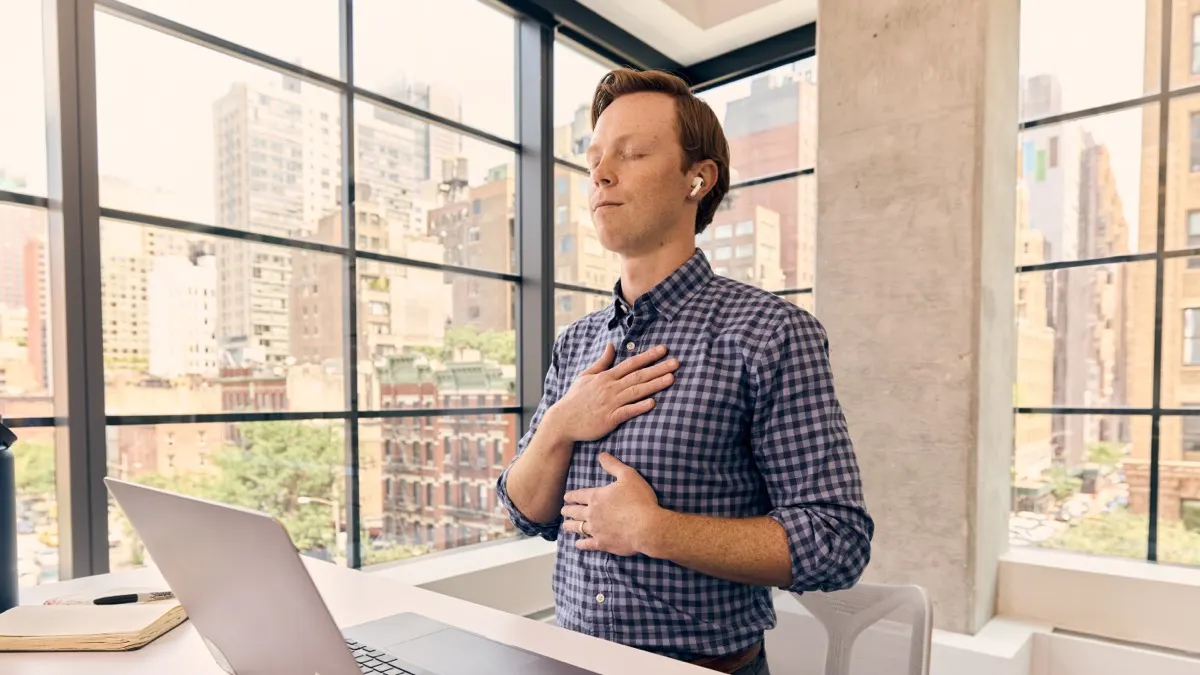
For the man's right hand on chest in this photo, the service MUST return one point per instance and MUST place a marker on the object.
(603, 397)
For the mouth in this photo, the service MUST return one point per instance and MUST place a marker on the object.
(605, 205)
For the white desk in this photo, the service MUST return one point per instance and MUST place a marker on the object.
(353, 597)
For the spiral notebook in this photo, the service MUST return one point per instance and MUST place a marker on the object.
(87, 627)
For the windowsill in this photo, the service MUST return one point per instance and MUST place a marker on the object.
(439, 565)
(1120, 599)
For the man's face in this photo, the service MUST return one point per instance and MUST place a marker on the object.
(639, 189)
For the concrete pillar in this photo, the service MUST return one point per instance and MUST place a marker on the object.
(916, 171)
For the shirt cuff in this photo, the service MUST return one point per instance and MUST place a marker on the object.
(829, 550)
(549, 532)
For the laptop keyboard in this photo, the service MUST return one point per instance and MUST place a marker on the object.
(374, 661)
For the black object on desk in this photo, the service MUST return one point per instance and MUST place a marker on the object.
(8, 520)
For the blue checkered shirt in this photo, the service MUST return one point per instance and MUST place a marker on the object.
(750, 427)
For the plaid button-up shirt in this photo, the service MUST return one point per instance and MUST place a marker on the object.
(750, 427)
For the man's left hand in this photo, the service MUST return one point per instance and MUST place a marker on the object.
(614, 518)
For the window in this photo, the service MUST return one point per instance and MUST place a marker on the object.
(1196, 44)
(746, 227)
(1195, 142)
(388, 33)
(724, 253)
(745, 250)
(1193, 237)
(575, 78)
(561, 184)
(1191, 336)
(566, 244)
(724, 231)
(1053, 152)
(497, 453)
(560, 217)
(564, 303)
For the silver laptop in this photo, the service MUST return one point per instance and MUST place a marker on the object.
(249, 596)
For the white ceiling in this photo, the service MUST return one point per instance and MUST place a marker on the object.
(690, 31)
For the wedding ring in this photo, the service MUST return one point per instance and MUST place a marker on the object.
(583, 532)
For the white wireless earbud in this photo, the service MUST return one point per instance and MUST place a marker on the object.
(697, 183)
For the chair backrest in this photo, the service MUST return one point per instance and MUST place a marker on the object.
(847, 614)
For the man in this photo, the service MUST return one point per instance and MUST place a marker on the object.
(689, 452)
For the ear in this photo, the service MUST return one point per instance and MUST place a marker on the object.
(707, 171)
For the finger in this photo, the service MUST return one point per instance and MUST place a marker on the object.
(640, 361)
(602, 364)
(628, 412)
(651, 372)
(574, 511)
(640, 391)
(615, 467)
(587, 544)
(573, 526)
(580, 496)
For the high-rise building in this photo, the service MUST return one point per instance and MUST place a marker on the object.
(476, 226)
(1074, 207)
(772, 130)
(182, 300)
(1179, 437)
(398, 306)
(19, 225)
(278, 152)
(37, 317)
(743, 243)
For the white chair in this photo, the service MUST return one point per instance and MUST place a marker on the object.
(846, 614)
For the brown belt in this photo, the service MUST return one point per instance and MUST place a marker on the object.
(729, 663)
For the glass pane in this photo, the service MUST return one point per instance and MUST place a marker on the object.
(777, 222)
(1085, 188)
(571, 306)
(22, 79)
(576, 75)
(1185, 43)
(1178, 489)
(431, 194)
(37, 510)
(1070, 485)
(197, 325)
(579, 257)
(310, 38)
(290, 470)
(1085, 336)
(1111, 61)
(413, 51)
(1180, 335)
(1182, 217)
(230, 144)
(770, 120)
(26, 378)
(428, 483)
(421, 330)
(26, 385)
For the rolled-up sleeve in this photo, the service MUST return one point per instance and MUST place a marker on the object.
(802, 446)
(550, 396)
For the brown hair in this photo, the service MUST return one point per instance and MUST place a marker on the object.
(700, 132)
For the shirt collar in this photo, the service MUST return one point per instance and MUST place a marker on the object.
(671, 294)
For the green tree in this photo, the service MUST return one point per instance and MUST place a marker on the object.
(276, 465)
(1105, 453)
(495, 345)
(1124, 534)
(35, 468)
(1062, 483)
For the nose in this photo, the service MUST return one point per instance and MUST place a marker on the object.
(603, 175)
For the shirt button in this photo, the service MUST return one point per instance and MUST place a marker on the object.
(600, 598)
(629, 346)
